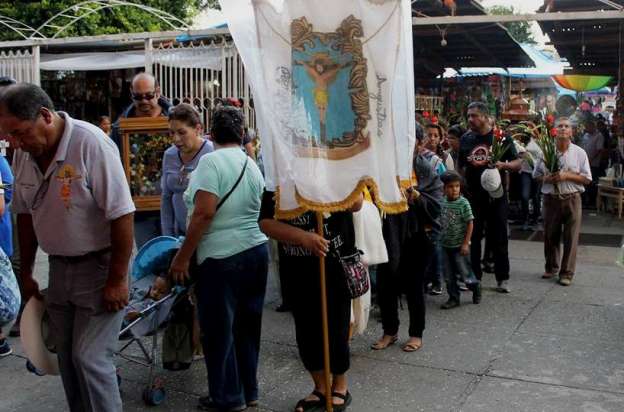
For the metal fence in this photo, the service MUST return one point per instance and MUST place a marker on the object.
(201, 73)
(22, 65)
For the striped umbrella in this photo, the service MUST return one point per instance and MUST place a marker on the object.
(582, 83)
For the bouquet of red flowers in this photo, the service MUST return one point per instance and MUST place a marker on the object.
(499, 147)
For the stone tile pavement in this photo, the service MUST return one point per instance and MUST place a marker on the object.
(541, 348)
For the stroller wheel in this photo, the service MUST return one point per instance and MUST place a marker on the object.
(154, 396)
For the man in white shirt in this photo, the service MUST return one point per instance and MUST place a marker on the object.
(72, 199)
(562, 203)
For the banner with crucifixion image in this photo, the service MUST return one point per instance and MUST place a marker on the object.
(334, 95)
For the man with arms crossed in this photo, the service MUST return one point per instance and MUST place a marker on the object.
(72, 199)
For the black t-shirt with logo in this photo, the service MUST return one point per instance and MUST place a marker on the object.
(338, 230)
(474, 154)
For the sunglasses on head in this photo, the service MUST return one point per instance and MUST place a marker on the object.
(144, 96)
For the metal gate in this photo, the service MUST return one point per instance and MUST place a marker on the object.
(200, 73)
(22, 65)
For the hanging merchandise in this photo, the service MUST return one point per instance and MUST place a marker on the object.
(334, 94)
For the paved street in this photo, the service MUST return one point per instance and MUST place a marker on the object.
(541, 348)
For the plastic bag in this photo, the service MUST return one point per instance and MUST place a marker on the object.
(9, 291)
(369, 236)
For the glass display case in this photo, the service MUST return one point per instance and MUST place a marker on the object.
(144, 141)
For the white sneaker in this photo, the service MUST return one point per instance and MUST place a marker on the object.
(503, 287)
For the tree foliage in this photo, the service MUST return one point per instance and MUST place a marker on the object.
(519, 30)
(124, 19)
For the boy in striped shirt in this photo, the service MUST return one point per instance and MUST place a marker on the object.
(457, 225)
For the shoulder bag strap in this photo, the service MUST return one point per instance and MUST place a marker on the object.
(240, 177)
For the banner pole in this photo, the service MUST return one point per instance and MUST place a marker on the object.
(326, 370)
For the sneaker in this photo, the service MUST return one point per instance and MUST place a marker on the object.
(565, 281)
(450, 304)
(463, 287)
(476, 293)
(33, 369)
(435, 290)
(548, 275)
(503, 287)
(5, 348)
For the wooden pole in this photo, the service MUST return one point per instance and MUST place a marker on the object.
(326, 366)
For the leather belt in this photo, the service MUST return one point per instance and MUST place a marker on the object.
(81, 258)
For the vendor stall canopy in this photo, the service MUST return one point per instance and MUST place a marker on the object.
(592, 47)
(545, 63)
(462, 45)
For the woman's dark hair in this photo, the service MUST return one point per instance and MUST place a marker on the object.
(451, 177)
(226, 125)
(186, 113)
(456, 130)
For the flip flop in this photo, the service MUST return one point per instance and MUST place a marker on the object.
(312, 404)
(381, 346)
(347, 398)
(411, 347)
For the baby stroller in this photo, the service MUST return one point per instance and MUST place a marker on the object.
(152, 260)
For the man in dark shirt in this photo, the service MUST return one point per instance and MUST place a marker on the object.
(490, 213)
(147, 102)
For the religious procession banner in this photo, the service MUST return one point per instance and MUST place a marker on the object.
(333, 90)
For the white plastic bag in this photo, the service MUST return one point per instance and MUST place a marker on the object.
(360, 309)
(369, 236)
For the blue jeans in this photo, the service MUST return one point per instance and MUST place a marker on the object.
(435, 267)
(456, 268)
(230, 296)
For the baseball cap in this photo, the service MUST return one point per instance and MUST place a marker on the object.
(491, 182)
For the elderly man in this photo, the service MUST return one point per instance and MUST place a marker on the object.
(72, 199)
(562, 203)
(147, 102)
(490, 212)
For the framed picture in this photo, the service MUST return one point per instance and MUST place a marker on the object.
(144, 141)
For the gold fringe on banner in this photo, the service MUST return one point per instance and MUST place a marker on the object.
(306, 205)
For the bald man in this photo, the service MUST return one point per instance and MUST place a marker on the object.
(146, 102)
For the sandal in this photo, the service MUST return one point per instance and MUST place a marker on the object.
(347, 398)
(380, 345)
(307, 405)
(412, 347)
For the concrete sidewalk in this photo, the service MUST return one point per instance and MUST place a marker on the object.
(541, 348)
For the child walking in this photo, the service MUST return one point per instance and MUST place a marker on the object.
(457, 228)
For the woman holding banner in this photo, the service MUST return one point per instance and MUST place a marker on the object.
(301, 247)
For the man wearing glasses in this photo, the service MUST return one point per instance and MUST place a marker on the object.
(146, 102)
(72, 198)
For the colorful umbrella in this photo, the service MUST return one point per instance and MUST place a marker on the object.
(582, 83)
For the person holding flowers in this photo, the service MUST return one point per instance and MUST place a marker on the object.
(530, 189)
(483, 154)
(564, 170)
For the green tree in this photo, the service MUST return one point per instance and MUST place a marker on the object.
(519, 30)
(108, 21)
